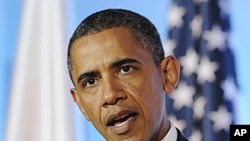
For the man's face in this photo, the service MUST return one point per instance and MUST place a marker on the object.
(118, 86)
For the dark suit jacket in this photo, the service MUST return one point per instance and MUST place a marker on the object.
(180, 136)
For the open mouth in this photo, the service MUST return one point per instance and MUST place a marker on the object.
(122, 121)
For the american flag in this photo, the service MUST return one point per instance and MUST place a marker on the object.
(199, 37)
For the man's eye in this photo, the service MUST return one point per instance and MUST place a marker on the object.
(90, 82)
(125, 69)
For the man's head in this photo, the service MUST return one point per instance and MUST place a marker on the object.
(141, 28)
(117, 65)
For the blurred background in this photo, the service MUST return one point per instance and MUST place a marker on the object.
(35, 102)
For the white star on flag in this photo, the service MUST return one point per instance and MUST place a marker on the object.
(206, 71)
(215, 38)
(189, 62)
(175, 16)
(230, 90)
(183, 95)
(169, 47)
(199, 107)
(221, 119)
(196, 26)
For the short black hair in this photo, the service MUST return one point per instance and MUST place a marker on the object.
(140, 27)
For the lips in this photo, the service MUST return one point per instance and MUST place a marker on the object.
(122, 121)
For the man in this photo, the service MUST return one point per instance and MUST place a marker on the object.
(116, 63)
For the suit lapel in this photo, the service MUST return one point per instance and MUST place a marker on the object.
(180, 136)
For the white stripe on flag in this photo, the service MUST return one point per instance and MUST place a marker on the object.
(40, 106)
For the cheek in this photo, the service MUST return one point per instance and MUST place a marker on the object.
(149, 92)
(150, 86)
(87, 100)
(90, 106)
(146, 90)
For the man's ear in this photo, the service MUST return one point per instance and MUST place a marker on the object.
(171, 71)
(77, 100)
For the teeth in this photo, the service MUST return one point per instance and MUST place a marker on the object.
(123, 116)
(120, 124)
(120, 120)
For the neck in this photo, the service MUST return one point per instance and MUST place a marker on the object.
(162, 130)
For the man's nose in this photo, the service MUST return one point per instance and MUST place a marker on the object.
(113, 92)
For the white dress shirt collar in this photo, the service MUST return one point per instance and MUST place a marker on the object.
(171, 135)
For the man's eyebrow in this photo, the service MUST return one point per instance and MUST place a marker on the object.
(124, 61)
(86, 75)
(115, 64)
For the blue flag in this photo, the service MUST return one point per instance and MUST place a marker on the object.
(199, 37)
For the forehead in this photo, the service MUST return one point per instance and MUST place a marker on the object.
(120, 34)
(105, 47)
(114, 41)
